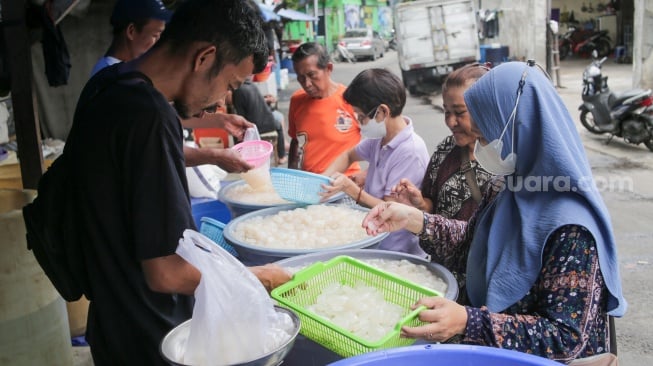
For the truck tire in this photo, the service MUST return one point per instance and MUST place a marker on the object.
(409, 82)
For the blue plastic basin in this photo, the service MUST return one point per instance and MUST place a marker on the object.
(446, 354)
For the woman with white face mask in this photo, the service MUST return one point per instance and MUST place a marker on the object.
(539, 255)
(390, 146)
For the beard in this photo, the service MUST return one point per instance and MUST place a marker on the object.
(182, 109)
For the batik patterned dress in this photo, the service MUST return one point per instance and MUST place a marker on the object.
(562, 317)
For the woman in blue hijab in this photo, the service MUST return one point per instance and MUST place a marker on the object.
(541, 266)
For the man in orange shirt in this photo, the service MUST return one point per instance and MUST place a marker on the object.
(320, 123)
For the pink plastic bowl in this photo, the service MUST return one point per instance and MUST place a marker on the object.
(255, 152)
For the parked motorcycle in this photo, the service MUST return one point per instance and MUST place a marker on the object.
(583, 42)
(628, 115)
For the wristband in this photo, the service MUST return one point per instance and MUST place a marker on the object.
(358, 198)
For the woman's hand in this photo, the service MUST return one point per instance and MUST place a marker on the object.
(339, 183)
(392, 216)
(407, 193)
(446, 319)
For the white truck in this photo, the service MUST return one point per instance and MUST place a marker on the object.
(434, 37)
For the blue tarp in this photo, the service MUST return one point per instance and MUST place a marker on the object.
(268, 13)
(295, 15)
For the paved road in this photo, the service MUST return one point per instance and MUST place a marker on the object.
(624, 172)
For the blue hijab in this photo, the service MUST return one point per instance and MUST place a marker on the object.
(505, 257)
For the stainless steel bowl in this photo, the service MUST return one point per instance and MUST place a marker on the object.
(172, 342)
(251, 254)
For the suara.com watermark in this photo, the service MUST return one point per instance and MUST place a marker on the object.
(567, 184)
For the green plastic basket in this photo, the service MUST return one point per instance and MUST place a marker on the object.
(307, 284)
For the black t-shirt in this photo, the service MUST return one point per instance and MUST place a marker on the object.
(132, 198)
(250, 104)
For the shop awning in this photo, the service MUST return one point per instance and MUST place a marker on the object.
(295, 15)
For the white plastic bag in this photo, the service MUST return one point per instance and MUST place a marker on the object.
(204, 181)
(233, 312)
(4, 123)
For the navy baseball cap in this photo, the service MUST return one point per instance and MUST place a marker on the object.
(127, 11)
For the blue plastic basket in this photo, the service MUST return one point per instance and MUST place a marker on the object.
(212, 229)
(297, 185)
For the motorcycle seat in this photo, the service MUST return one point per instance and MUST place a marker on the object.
(629, 94)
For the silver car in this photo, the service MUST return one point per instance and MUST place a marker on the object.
(362, 42)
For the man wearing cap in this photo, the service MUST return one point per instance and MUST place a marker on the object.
(137, 26)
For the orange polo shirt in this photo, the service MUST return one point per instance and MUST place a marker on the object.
(324, 129)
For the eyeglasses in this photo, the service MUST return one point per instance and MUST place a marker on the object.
(359, 117)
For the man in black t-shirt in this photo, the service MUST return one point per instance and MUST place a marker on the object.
(129, 187)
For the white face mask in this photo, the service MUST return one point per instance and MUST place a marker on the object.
(489, 156)
(373, 129)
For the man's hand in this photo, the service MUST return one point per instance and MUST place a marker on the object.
(236, 125)
(271, 275)
(233, 123)
(227, 159)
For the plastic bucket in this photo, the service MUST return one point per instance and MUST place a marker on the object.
(33, 321)
(286, 63)
(446, 354)
(206, 207)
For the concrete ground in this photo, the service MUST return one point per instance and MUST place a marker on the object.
(624, 170)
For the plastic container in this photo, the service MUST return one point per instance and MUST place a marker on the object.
(255, 152)
(211, 137)
(206, 207)
(439, 270)
(297, 185)
(286, 63)
(307, 352)
(308, 284)
(212, 229)
(446, 354)
(251, 254)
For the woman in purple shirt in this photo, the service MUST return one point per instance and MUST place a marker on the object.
(390, 146)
